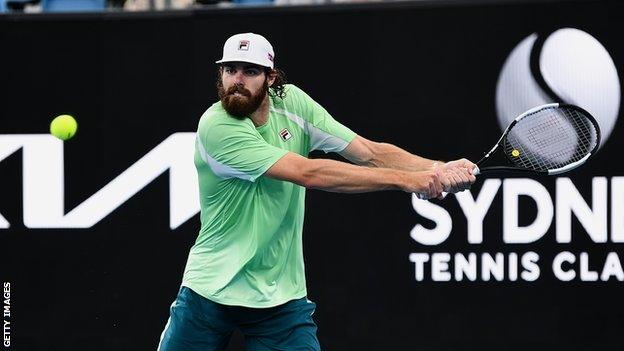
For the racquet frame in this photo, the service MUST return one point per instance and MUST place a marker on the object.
(516, 169)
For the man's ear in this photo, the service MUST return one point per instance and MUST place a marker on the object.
(271, 75)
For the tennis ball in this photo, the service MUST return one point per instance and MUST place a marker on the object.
(515, 153)
(63, 127)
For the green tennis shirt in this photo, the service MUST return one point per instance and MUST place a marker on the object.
(249, 248)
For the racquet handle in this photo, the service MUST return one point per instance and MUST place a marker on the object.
(475, 171)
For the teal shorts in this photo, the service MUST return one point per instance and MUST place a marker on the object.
(196, 323)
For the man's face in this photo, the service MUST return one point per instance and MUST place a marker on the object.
(243, 88)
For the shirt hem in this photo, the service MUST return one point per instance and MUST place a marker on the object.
(270, 164)
(348, 141)
(234, 302)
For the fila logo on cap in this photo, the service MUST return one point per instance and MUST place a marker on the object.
(243, 45)
(285, 134)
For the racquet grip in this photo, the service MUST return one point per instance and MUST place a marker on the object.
(475, 171)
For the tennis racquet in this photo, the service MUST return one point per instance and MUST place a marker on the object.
(548, 139)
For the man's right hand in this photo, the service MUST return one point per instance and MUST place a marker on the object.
(428, 184)
(459, 175)
(451, 177)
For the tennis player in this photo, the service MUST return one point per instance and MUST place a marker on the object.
(246, 268)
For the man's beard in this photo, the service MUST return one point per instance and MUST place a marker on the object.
(241, 106)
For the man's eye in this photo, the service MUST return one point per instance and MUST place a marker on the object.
(252, 72)
(229, 70)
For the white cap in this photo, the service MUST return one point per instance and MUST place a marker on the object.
(248, 47)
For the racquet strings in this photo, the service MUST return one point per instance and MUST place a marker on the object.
(550, 138)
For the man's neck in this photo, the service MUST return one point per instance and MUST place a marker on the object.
(260, 116)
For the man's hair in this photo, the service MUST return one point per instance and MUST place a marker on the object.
(278, 83)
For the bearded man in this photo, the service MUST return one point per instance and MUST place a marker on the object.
(246, 269)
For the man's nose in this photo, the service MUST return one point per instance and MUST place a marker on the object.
(238, 78)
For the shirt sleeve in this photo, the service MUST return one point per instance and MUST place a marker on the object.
(235, 149)
(325, 132)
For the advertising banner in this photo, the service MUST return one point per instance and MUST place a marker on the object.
(95, 231)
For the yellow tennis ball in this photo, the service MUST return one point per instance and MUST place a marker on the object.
(515, 153)
(63, 127)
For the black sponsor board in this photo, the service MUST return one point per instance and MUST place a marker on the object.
(422, 75)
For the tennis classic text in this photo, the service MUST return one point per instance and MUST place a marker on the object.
(567, 216)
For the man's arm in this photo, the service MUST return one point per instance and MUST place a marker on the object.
(361, 151)
(368, 153)
(330, 175)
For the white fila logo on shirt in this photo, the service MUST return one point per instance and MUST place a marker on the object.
(285, 134)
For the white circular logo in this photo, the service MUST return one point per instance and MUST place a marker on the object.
(567, 65)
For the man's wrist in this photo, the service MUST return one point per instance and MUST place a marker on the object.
(437, 164)
(402, 180)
